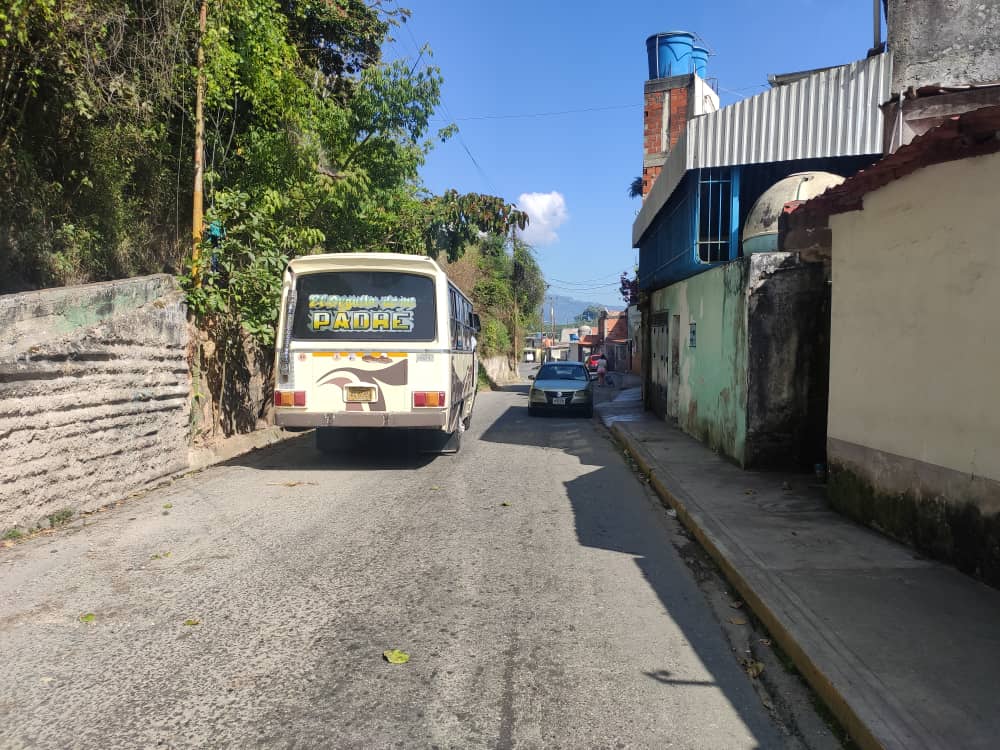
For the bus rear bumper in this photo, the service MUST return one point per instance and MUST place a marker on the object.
(434, 420)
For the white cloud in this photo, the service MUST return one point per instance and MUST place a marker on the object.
(546, 213)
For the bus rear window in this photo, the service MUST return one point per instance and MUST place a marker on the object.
(365, 306)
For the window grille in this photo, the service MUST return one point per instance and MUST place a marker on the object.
(715, 201)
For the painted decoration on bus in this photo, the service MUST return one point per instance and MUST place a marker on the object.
(365, 306)
(367, 371)
(342, 312)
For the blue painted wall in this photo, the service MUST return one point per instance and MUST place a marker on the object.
(669, 251)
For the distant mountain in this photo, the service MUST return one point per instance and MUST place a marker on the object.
(567, 308)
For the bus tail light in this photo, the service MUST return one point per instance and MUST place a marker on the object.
(289, 398)
(428, 398)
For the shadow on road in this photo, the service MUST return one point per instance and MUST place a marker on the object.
(610, 517)
(387, 450)
(514, 388)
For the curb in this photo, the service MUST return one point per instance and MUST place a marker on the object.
(237, 445)
(838, 704)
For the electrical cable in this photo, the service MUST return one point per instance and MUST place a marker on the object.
(458, 132)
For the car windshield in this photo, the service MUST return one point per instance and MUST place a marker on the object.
(561, 372)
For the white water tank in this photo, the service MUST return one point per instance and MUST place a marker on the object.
(760, 233)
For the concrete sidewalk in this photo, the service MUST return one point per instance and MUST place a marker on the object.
(905, 651)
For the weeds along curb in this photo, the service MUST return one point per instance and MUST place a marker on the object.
(835, 701)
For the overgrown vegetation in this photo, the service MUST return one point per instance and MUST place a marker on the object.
(508, 292)
(312, 143)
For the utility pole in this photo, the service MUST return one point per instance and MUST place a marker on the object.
(197, 209)
(878, 24)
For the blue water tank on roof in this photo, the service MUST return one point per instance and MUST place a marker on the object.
(699, 60)
(669, 54)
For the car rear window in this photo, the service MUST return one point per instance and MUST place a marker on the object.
(561, 372)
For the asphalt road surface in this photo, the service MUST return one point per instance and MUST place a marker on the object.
(530, 578)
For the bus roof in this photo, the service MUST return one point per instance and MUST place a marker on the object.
(334, 261)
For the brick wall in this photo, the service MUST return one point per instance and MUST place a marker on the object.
(665, 115)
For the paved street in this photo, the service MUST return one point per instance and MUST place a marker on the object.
(531, 578)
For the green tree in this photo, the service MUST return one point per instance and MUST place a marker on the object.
(313, 143)
(511, 287)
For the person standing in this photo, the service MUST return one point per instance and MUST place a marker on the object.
(602, 369)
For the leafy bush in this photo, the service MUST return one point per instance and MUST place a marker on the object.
(494, 338)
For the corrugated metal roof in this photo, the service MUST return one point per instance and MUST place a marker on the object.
(833, 112)
(967, 135)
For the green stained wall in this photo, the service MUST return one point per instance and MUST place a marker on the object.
(707, 388)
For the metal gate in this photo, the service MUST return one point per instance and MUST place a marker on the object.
(659, 361)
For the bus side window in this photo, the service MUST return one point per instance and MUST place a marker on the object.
(466, 314)
(456, 333)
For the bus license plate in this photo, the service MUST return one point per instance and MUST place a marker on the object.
(559, 401)
(360, 394)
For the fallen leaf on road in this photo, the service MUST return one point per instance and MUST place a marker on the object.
(192, 621)
(735, 605)
(168, 506)
(395, 656)
(736, 621)
(435, 488)
(749, 492)
(505, 504)
(753, 668)
(89, 617)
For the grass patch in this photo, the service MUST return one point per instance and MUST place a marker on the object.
(483, 380)
(60, 517)
(12, 535)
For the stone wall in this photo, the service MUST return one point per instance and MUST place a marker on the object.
(947, 43)
(788, 340)
(498, 369)
(94, 395)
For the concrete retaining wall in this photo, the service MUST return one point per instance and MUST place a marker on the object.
(94, 395)
(498, 369)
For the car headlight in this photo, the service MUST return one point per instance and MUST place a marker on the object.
(583, 395)
(536, 395)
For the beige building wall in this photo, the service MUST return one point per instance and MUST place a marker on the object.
(915, 332)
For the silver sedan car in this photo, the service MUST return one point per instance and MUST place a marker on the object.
(562, 387)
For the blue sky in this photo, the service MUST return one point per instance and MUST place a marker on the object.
(508, 65)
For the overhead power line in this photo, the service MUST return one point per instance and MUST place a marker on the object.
(458, 132)
(598, 280)
(578, 289)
